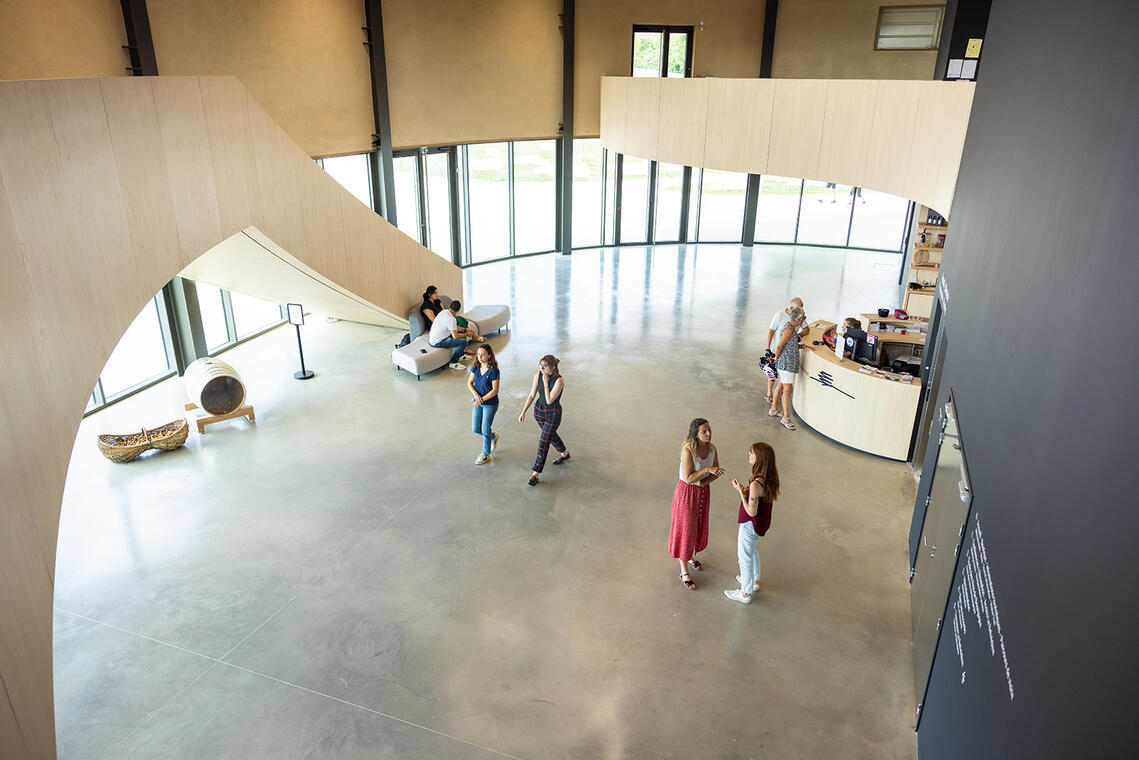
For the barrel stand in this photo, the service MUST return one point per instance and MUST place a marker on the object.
(201, 420)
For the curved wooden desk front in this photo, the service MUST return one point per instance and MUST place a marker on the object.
(879, 419)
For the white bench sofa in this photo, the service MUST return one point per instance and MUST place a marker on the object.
(419, 357)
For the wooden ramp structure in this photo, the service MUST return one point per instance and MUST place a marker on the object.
(108, 189)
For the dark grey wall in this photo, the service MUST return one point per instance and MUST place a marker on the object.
(1042, 264)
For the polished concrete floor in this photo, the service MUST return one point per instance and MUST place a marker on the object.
(339, 580)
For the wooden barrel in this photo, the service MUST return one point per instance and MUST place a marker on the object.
(214, 386)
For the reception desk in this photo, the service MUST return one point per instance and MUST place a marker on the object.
(871, 413)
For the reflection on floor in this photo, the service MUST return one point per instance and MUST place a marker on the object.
(339, 580)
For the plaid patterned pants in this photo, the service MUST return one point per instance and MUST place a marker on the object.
(548, 419)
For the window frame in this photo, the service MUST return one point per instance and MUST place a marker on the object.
(667, 31)
(885, 9)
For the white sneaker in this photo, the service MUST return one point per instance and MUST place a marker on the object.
(456, 365)
(467, 358)
(737, 596)
(754, 585)
(494, 442)
(483, 459)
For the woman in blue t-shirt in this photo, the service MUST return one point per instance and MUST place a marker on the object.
(482, 381)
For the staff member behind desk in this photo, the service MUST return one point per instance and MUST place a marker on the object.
(850, 333)
(787, 364)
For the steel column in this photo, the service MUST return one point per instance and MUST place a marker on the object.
(565, 146)
(380, 162)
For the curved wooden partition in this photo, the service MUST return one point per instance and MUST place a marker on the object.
(899, 137)
(108, 188)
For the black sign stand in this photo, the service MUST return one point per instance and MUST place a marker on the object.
(297, 318)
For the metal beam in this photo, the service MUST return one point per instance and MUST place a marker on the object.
(767, 54)
(751, 207)
(140, 45)
(565, 144)
(380, 163)
(185, 316)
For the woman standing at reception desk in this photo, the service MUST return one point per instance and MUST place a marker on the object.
(787, 365)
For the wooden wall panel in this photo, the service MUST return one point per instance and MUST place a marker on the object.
(797, 127)
(279, 195)
(683, 121)
(140, 164)
(87, 158)
(955, 108)
(903, 138)
(121, 184)
(847, 123)
(186, 142)
(613, 112)
(368, 259)
(226, 105)
(641, 135)
(29, 160)
(933, 163)
(891, 132)
(323, 223)
(738, 135)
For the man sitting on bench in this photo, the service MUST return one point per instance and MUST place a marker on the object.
(446, 333)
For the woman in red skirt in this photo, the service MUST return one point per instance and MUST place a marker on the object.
(699, 466)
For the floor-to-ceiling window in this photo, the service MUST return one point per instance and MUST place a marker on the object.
(824, 214)
(146, 354)
(669, 202)
(722, 206)
(588, 191)
(406, 180)
(610, 199)
(879, 220)
(352, 173)
(489, 200)
(142, 354)
(634, 199)
(535, 195)
(778, 211)
(437, 202)
(504, 200)
(252, 315)
(211, 305)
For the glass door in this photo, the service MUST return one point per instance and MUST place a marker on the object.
(440, 201)
(427, 198)
(947, 511)
(405, 168)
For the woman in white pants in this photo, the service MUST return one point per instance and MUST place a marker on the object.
(756, 498)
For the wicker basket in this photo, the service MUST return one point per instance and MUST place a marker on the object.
(124, 448)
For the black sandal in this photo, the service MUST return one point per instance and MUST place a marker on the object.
(533, 481)
(695, 564)
(562, 459)
(688, 584)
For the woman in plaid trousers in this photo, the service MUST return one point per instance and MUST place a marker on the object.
(547, 388)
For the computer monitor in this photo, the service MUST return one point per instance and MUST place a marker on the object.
(862, 346)
(853, 336)
(866, 350)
